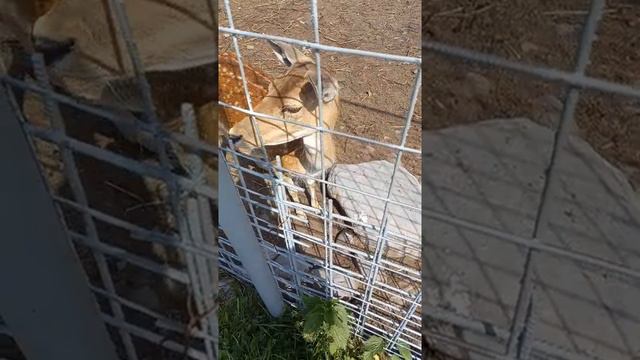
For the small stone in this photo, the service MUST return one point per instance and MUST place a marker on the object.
(565, 29)
(364, 218)
(551, 102)
(102, 141)
(634, 110)
(480, 85)
(528, 46)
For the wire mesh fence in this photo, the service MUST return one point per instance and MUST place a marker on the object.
(130, 258)
(361, 242)
(113, 244)
(542, 319)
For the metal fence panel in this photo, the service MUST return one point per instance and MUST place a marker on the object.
(108, 242)
(522, 337)
(307, 256)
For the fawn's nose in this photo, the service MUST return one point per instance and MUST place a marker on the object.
(235, 138)
(52, 50)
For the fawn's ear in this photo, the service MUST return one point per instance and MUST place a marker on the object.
(330, 85)
(287, 53)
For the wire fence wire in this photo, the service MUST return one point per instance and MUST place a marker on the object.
(138, 328)
(521, 341)
(371, 265)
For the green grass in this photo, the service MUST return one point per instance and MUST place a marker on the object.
(247, 331)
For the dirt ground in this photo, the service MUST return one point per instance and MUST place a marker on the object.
(544, 33)
(374, 93)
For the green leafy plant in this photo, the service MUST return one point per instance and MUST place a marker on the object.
(405, 354)
(374, 349)
(247, 331)
(326, 326)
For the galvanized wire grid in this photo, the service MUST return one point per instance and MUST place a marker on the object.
(520, 339)
(189, 203)
(288, 246)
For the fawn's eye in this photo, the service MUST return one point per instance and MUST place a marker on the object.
(291, 109)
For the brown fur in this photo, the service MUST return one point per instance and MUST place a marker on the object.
(17, 18)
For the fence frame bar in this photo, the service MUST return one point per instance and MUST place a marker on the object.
(237, 227)
(39, 260)
(527, 287)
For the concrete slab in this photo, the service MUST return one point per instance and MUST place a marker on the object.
(492, 174)
(374, 178)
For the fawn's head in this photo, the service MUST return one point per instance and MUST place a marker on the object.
(90, 60)
(292, 96)
(17, 19)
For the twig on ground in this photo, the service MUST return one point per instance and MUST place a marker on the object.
(448, 12)
(194, 319)
(142, 205)
(123, 190)
(456, 12)
(573, 12)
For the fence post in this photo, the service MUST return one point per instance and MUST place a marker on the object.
(45, 299)
(236, 225)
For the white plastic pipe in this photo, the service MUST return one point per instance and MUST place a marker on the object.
(236, 225)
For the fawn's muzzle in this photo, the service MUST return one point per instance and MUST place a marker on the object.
(235, 138)
(51, 50)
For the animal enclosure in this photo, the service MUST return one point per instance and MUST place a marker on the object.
(134, 182)
(333, 116)
(530, 214)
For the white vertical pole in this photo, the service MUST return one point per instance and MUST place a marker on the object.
(236, 225)
(44, 297)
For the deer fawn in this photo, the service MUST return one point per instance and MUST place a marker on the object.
(292, 96)
(17, 18)
(80, 41)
